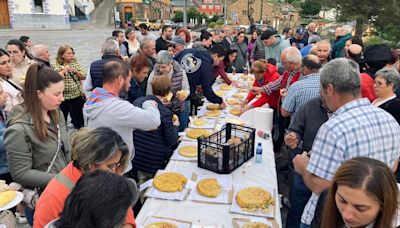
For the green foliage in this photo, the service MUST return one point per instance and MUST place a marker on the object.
(310, 7)
(219, 22)
(178, 17)
(211, 25)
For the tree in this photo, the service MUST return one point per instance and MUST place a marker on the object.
(178, 17)
(377, 13)
(310, 7)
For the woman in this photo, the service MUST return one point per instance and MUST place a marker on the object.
(102, 197)
(252, 42)
(241, 61)
(36, 140)
(131, 44)
(166, 65)
(230, 57)
(140, 68)
(154, 148)
(72, 72)
(20, 59)
(14, 92)
(264, 73)
(386, 82)
(98, 149)
(185, 34)
(363, 193)
(4, 170)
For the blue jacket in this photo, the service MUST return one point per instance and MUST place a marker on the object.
(154, 148)
(96, 70)
(198, 65)
(3, 156)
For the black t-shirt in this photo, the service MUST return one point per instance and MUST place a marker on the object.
(299, 43)
(161, 44)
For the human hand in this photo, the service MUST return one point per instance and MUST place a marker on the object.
(291, 140)
(234, 83)
(283, 92)
(222, 105)
(175, 120)
(300, 162)
(182, 95)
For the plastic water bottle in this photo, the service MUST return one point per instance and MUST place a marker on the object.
(259, 150)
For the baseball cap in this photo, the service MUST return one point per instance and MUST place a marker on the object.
(177, 40)
(300, 31)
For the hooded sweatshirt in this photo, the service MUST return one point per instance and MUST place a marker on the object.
(275, 50)
(103, 109)
(198, 65)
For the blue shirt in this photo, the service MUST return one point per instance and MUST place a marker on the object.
(305, 50)
(300, 92)
(357, 129)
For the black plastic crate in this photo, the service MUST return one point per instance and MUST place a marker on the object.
(215, 154)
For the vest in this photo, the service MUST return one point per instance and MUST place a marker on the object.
(96, 70)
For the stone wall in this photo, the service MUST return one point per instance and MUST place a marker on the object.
(40, 21)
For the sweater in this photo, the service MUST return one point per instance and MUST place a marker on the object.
(220, 71)
(161, 44)
(103, 109)
(29, 157)
(198, 66)
(154, 148)
(270, 75)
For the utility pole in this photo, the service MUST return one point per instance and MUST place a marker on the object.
(261, 12)
(185, 13)
(225, 14)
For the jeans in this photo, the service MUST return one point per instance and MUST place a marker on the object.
(302, 225)
(29, 215)
(299, 196)
(184, 115)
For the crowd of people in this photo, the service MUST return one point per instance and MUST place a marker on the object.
(336, 114)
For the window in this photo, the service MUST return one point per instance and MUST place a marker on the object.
(38, 6)
(211, 7)
(203, 7)
(217, 7)
(244, 12)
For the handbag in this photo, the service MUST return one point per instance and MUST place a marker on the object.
(31, 196)
(79, 85)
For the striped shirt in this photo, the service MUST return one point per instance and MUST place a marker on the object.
(300, 92)
(355, 129)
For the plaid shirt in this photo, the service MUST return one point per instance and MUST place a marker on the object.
(357, 129)
(300, 92)
(73, 88)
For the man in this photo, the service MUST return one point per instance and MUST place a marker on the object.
(177, 44)
(216, 37)
(144, 33)
(300, 137)
(274, 45)
(355, 52)
(105, 105)
(41, 54)
(298, 41)
(162, 41)
(311, 30)
(94, 77)
(27, 41)
(323, 51)
(226, 37)
(287, 33)
(198, 65)
(303, 90)
(338, 50)
(311, 43)
(355, 129)
(120, 37)
(206, 39)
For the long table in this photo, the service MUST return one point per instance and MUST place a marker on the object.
(217, 215)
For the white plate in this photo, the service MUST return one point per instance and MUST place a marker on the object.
(18, 198)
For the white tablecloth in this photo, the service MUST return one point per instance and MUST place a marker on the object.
(249, 174)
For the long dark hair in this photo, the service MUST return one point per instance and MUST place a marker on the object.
(99, 199)
(38, 78)
(370, 175)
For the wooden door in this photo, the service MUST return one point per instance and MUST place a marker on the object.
(4, 16)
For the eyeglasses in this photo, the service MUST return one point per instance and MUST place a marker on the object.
(114, 166)
(378, 83)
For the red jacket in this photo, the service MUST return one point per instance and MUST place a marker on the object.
(367, 87)
(270, 75)
(285, 78)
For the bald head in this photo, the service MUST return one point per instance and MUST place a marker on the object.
(323, 50)
(354, 51)
(311, 64)
(312, 27)
(40, 52)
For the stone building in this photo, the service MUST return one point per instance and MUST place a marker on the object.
(151, 9)
(34, 14)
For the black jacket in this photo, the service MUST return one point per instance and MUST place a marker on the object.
(96, 69)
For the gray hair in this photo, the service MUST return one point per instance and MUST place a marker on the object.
(390, 75)
(111, 46)
(145, 42)
(94, 146)
(343, 74)
(325, 42)
(37, 50)
(347, 28)
(163, 57)
(292, 55)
